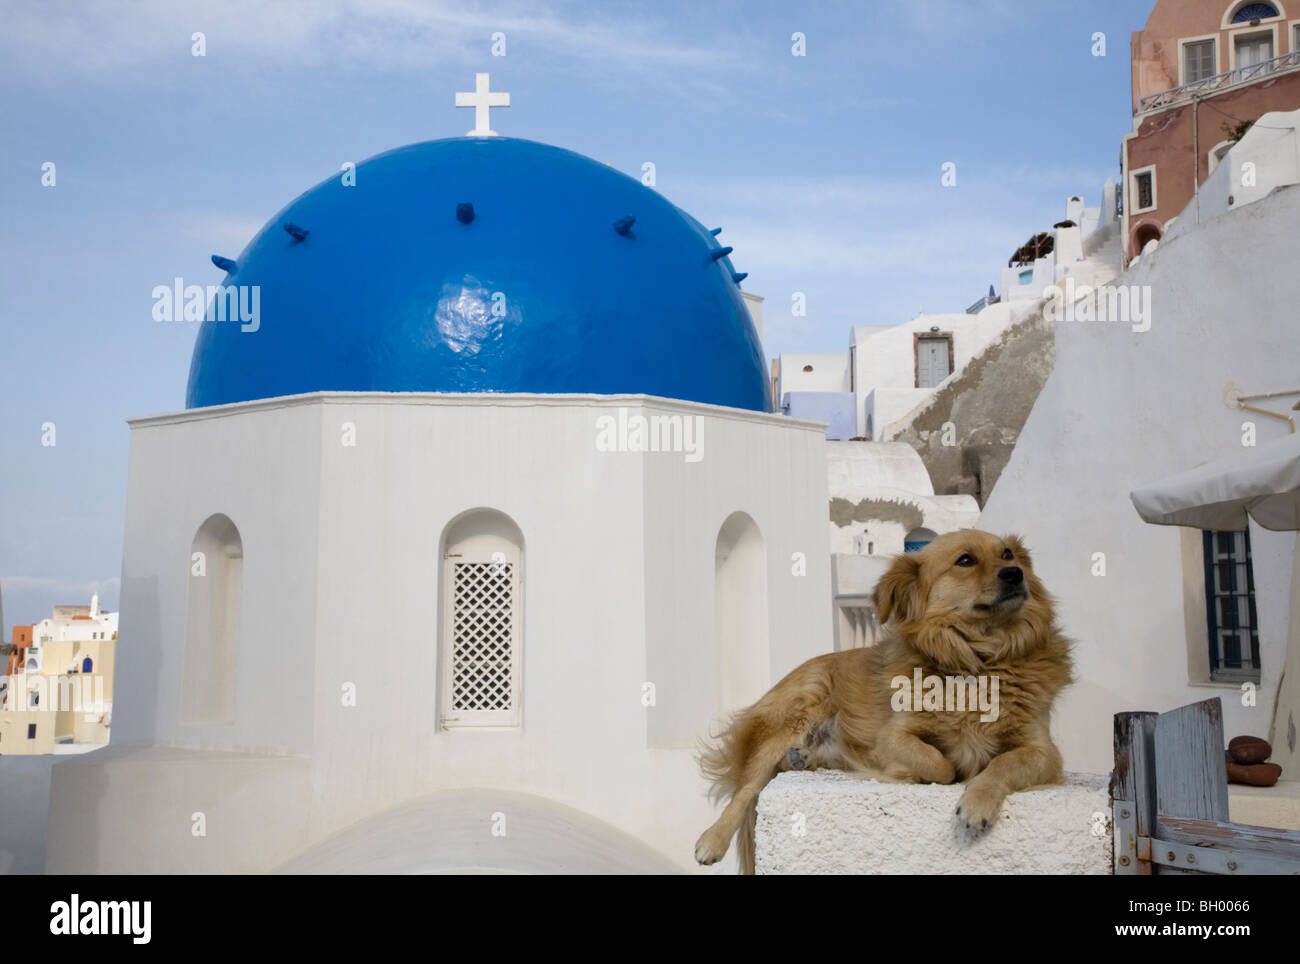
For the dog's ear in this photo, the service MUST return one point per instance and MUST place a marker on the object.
(898, 592)
(1017, 545)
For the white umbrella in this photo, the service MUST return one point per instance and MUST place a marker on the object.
(1262, 482)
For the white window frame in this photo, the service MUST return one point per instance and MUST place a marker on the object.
(491, 550)
(1293, 36)
(1212, 158)
(1182, 56)
(1133, 191)
(1246, 30)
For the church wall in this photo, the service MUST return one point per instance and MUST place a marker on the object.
(164, 810)
(419, 463)
(618, 546)
(774, 470)
(259, 465)
(1124, 408)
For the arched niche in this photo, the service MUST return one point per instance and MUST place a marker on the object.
(212, 623)
(740, 613)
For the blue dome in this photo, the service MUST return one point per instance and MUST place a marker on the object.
(484, 265)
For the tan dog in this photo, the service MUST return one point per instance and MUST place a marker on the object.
(968, 605)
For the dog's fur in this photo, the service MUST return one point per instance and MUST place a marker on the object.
(956, 608)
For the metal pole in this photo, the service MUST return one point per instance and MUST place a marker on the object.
(1196, 155)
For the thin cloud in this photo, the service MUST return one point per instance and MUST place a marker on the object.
(384, 35)
(223, 231)
(73, 591)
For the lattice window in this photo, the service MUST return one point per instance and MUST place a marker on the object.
(482, 678)
(481, 622)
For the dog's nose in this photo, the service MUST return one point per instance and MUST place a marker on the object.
(1011, 575)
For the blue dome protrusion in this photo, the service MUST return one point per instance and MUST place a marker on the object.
(393, 295)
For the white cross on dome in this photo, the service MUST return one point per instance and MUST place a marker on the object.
(482, 100)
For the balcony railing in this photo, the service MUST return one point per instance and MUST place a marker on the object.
(1212, 85)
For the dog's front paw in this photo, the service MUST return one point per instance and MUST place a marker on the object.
(979, 806)
(711, 847)
(797, 758)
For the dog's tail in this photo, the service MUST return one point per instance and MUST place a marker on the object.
(752, 748)
(722, 761)
(723, 764)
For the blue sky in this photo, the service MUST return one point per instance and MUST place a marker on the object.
(824, 171)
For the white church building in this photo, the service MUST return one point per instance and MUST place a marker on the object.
(458, 547)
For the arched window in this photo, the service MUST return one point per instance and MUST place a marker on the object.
(918, 539)
(740, 613)
(1254, 11)
(87, 665)
(216, 581)
(1143, 235)
(481, 645)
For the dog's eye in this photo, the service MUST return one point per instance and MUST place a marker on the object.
(966, 559)
(1008, 554)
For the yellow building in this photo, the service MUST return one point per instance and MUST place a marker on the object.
(58, 688)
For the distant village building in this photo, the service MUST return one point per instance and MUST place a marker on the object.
(953, 390)
(881, 503)
(1165, 616)
(966, 429)
(57, 693)
(1202, 71)
(886, 371)
(957, 387)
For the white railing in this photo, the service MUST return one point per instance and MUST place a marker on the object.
(1229, 78)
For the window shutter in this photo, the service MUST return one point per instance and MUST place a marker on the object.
(1198, 61)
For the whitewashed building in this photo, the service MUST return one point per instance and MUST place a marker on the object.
(451, 562)
(889, 371)
(1167, 616)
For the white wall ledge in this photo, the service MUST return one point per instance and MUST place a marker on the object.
(480, 400)
(856, 826)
